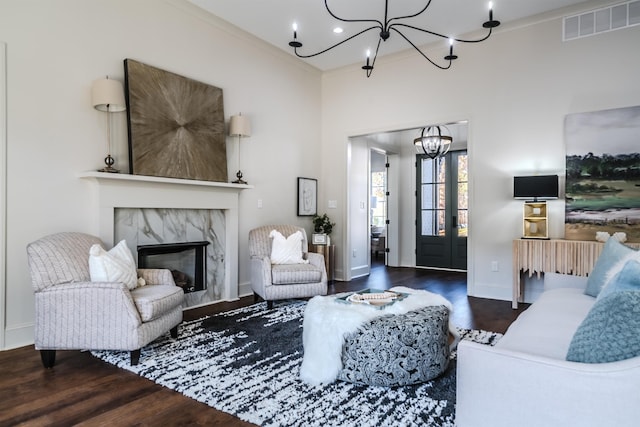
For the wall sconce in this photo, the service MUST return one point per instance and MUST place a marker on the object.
(107, 95)
(239, 126)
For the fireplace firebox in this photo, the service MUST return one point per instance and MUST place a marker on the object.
(187, 262)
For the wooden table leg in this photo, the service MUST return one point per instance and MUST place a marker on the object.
(516, 289)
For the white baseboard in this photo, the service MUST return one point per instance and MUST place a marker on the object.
(359, 271)
(244, 289)
(18, 336)
(491, 292)
(532, 289)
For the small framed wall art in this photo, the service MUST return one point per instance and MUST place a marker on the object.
(307, 196)
(319, 239)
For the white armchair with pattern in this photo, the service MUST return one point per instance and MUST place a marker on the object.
(273, 280)
(74, 313)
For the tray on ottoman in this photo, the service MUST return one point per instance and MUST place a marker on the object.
(377, 298)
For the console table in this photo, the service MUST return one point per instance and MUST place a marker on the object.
(556, 255)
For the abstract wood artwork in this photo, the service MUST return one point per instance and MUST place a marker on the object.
(176, 125)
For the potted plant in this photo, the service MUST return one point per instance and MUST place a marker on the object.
(322, 228)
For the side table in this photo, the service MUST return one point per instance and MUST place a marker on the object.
(329, 253)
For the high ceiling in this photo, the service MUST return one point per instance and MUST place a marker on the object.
(271, 20)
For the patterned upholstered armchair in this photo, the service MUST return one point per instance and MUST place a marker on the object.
(73, 313)
(283, 281)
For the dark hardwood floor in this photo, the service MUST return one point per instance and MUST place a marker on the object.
(82, 390)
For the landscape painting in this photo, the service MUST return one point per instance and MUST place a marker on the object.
(603, 174)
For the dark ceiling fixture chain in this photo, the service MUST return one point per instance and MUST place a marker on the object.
(385, 32)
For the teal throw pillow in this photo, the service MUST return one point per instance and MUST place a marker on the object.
(612, 253)
(611, 330)
(628, 279)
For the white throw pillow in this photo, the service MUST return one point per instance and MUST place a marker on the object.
(117, 265)
(286, 250)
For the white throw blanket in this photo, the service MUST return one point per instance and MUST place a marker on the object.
(326, 322)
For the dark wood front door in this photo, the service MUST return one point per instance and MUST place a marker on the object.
(442, 211)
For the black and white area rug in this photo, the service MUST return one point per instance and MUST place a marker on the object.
(246, 362)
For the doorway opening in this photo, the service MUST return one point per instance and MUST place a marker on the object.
(400, 221)
(442, 205)
(378, 205)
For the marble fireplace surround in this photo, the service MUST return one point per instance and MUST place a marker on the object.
(137, 191)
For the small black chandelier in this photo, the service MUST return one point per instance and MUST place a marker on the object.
(391, 24)
(434, 141)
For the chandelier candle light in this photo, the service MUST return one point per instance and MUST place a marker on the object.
(107, 95)
(394, 24)
(239, 126)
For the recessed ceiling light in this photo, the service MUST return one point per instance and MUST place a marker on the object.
(337, 30)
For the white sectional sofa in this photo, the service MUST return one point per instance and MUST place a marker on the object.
(525, 379)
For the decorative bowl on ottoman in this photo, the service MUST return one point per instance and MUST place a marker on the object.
(397, 350)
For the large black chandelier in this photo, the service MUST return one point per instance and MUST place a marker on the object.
(393, 24)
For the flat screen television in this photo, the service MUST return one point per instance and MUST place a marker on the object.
(536, 187)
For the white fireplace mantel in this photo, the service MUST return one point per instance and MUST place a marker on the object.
(141, 179)
(117, 190)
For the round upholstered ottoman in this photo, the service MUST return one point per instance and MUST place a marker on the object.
(396, 350)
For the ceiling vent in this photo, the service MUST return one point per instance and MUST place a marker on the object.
(598, 21)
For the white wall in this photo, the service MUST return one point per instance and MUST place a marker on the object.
(515, 90)
(54, 52)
